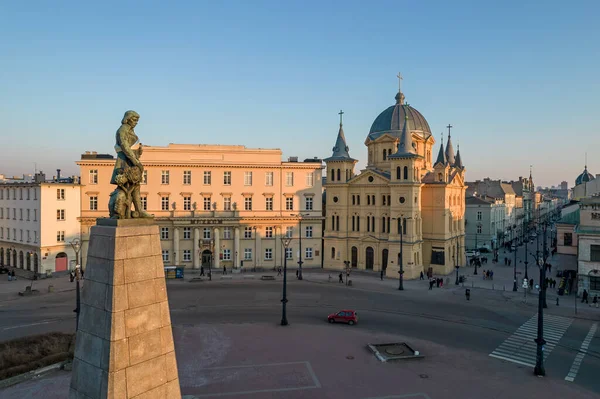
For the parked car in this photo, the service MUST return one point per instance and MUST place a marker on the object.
(472, 253)
(3, 270)
(484, 250)
(343, 316)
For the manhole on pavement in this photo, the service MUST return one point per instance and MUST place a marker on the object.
(394, 351)
(423, 376)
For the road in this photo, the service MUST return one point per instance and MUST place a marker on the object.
(441, 316)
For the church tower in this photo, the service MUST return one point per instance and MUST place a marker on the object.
(405, 190)
(340, 169)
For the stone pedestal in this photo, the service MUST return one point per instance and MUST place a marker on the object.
(124, 345)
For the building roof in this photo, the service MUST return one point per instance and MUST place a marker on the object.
(473, 200)
(450, 151)
(392, 119)
(584, 177)
(340, 149)
(458, 161)
(441, 158)
(406, 147)
(570, 218)
(492, 188)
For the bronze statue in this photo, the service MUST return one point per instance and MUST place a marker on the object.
(128, 172)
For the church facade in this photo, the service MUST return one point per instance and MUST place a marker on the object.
(405, 210)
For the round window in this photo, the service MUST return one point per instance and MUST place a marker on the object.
(335, 199)
(370, 179)
(402, 199)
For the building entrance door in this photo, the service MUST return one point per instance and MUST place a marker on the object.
(60, 263)
(354, 257)
(206, 259)
(384, 259)
(369, 258)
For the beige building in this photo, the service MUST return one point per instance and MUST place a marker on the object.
(588, 237)
(403, 202)
(586, 185)
(38, 220)
(219, 205)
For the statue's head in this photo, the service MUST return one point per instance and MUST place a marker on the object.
(130, 118)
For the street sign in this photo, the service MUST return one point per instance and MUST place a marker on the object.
(525, 284)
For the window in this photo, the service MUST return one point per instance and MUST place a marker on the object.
(595, 253)
(247, 253)
(21, 214)
(268, 254)
(248, 203)
(368, 200)
(332, 174)
(93, 203)
(406, 173)
(227, 203)
(289, 179)
(14, 213)
(308, 253)
(187, 255)
(310, 179)
(308, 203)
(479, 215)
(8, 233)
(479, 229)
(144, 200)
(28, 214)
(358, 200)
(289, 231)
(268, 178)
(28, 236)
(165, 255)
(288, 253)
(568, 239)
(2, 213)
(308, 232)
(1, 232)
(34, 236)
(269, 203)
(187, 233)
(35, 215)
(164, 233)
(332, 253)
(383, 200)
(269, 232)
(247, 232)
(1, 194)
(60, 236)
(227, 178)
(21, 235)
(60, 193)
(594, 283)
(206, 233)
(247, 178)
(164, 203)
(93, 176)
(353, 199)
(187, 177)
(227, 254)
(207, 178)
(227, 233)
(14, 191)
(289, 203)
(164, 177)
(187, 203)
(145, 177)
(60, 214)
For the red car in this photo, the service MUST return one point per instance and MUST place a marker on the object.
(343, 316)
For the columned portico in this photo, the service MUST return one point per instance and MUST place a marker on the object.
(236, 247)
(217, 249)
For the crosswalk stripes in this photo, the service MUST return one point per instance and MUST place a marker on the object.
(579, 358)
(520, 347)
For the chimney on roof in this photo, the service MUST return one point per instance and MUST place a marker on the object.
(57, 174)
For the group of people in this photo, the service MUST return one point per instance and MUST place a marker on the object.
(550, 282)
(437, 281)
(11, 275)
(488, 274)
(584, 298)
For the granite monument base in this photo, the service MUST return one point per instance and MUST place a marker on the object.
(124, 346)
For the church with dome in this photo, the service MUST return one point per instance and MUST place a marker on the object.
(586, 185)
(405, 210)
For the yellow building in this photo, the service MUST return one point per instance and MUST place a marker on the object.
(403, 202)
(219, 205)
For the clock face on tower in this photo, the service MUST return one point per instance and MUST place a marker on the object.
(402, 200)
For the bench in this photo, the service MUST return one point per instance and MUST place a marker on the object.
(267, 278)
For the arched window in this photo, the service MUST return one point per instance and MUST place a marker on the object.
(398, 173)
(332, 222)
(358, 200)
(339, 175)
(353, 200)
(332, 252)
(406, 173)
(332, 174)
(383, 224)
(440, 177)
(389, 152)
(337, 223)
(353, 224)
(368, 200)
(384, 154)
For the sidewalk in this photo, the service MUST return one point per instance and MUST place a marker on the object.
(9, 290)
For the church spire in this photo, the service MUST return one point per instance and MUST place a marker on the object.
(405, 147)
(458, 161)
(449, 149)
(340, 149)
(441, 158)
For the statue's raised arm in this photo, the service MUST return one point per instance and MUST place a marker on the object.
(128, 172)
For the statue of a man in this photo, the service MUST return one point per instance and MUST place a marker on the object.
(128, 171)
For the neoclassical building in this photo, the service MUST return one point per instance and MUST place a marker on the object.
(218, 205)
(404, 201)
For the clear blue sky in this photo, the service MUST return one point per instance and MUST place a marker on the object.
(518, 80)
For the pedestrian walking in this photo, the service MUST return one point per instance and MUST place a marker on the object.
(595, 300)
(431, 282)
(297, 273)
(437, 282)
(381, 274)
(505, 261)
(341, 278)
(224, 270)
(202, 270)
(422, 277)
(509, 261)
(441, 282)
(279, 272)
(584, 297)
(9, 274)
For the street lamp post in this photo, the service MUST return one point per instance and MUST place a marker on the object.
(526, 257)
(76, 244)
(285, 241)
(401, 256)
(300, 215)
(456, 264)
(515, 263)
(255, 254)
(539, 358)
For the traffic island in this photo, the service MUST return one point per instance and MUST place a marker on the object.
(394, 351)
